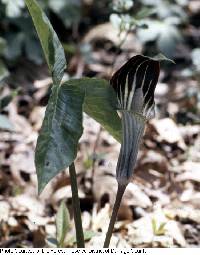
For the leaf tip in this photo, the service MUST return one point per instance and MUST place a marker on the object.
(162, 57)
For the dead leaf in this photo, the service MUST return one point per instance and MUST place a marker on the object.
(190, 171)
(100, 219)
(4, 211)
(107, 32)
(141, 233)
(134, 196)
(173, 230)
(168, 131)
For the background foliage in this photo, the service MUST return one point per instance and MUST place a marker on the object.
(99, 36)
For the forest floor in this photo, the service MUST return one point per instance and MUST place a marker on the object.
(161, 207)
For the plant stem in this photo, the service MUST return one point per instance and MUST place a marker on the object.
(120, 193)
(76, 207)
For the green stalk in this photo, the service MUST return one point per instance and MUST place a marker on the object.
(76, 207)
(120, 193)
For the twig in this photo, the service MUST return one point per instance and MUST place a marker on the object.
(120, 193)
(94, 154)
(119, 47)
(76, 207)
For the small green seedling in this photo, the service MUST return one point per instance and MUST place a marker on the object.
(62, 224)
(158, 230)
(64, 234)
(63, 227)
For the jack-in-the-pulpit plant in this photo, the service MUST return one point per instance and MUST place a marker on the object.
(57, 144)
(134, 84)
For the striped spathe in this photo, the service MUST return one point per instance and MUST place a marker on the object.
(134, 84)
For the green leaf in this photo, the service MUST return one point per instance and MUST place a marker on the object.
(2, 45)
(62, 127)
(62, 223)
(158, 230)
(5, 123)
(7, 99)
(88, 163)
(144, 13)
(14, 45)
(154, 225)
(161, 230)
(100, 103)
(51, 45)
(3, 71)
(68, 11)
(53, 154)
(87, 236)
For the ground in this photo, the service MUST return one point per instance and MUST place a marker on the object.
(161, 205)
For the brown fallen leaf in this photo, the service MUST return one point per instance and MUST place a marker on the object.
(142, 233)
(152, 160)
(107, 32)
(185, 213)
(116, 242)
(39, 236)
(37, 116)
(134, 196)
(189, 171)
(4, 211)
(168, 131)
